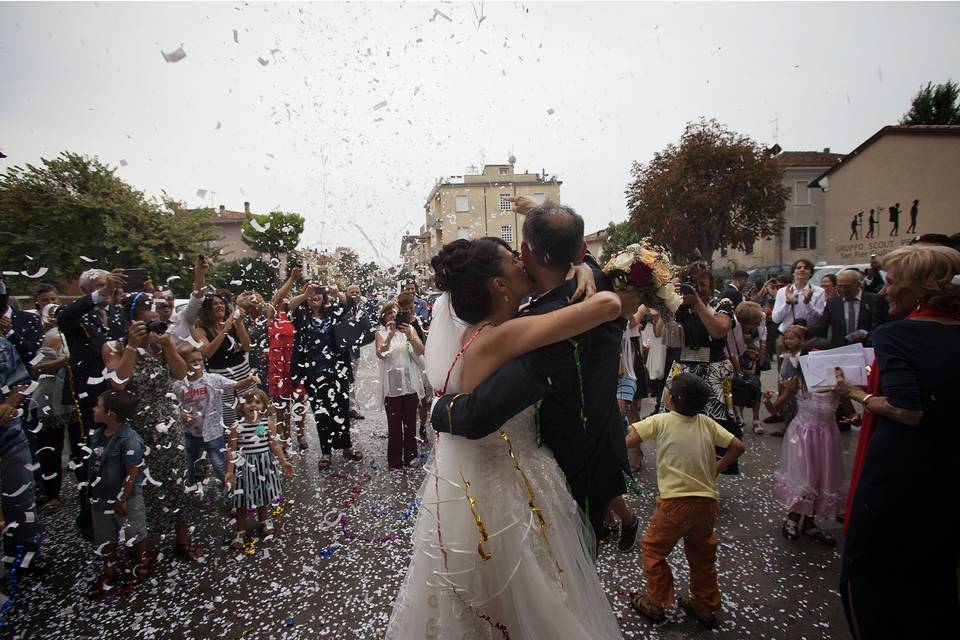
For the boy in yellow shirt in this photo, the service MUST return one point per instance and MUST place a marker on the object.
(687, 508)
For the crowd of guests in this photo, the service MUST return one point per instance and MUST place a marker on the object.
(153, 400)
(163, 406)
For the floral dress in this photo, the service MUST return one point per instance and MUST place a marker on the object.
(158, 424)
(706, 358)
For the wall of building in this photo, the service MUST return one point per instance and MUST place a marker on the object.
(472, 208)
(896, 168)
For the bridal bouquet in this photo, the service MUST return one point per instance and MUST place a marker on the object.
(645, 268)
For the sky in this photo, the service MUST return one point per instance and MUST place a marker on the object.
(349, 113)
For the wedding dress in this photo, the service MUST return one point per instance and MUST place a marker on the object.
(500, 548)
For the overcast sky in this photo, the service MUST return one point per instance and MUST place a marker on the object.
(361, 107)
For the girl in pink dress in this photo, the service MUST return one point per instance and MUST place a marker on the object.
(809, 481)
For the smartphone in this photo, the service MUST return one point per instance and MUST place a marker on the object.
(135, 279)
(687, 288)
(403, 317)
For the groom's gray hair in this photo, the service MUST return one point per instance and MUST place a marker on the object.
(554, 233)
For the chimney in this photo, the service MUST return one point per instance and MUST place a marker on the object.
(826, 149)
(222, 209)
(246, 207)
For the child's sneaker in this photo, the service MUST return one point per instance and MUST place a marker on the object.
(628, 536)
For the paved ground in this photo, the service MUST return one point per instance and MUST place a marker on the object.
(318, 580)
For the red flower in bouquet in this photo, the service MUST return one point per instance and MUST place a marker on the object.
(640, 274)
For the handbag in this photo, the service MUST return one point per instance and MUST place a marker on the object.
(744, 386)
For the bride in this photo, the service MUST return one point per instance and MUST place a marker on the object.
(500, 550)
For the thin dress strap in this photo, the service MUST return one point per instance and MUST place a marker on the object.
(446, 382)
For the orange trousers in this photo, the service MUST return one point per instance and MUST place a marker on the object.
(692, 519)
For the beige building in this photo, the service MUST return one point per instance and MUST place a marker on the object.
(804, 215)
(472, 206)
(902, 182)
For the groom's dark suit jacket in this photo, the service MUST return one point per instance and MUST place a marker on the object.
(579, 418)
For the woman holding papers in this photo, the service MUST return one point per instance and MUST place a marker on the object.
(900, 557)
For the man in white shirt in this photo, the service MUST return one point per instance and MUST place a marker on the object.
(184, 321)
(800, 302)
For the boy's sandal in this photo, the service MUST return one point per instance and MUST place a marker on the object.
(101, 587)
(52, 506)
(790, 529)
(187, 552)
(820, 536)
(352, 455)
(647, 609)
(758, 428)
(709, 621)
(237, 542)
(266, 528)
(325, 461)
(141, 572)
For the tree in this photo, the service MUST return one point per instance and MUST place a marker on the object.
(245, 274)
(274, 233)
(619, 236)
(347, 267)
(715, 189)
(72, 213)
(938, 104)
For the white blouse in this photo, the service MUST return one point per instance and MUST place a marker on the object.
(400, 368)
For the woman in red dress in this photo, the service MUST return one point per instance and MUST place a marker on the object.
(284, 395)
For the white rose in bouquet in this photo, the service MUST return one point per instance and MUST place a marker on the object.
(622, 261)
(668, 293)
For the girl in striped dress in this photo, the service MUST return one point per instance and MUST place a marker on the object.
(254, 462)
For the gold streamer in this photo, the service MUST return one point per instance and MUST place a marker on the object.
(476, 517)
(532, 503)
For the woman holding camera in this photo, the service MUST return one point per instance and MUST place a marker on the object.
(323, 368)
(706, 320)
(401, 383)
(224, 343)
(146, 363)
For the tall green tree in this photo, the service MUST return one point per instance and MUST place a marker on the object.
(245, 274)
(274, 234)
(714, 189)
(619, 236)
(347, 267)
(938, 104)
(72, 213)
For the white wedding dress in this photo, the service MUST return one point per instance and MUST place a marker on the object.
(535, 579)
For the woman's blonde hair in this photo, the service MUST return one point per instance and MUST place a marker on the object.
(929, 270)
(748, 311)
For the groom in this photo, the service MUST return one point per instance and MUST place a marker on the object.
(575, 381)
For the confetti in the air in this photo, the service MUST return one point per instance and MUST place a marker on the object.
(259, 227)
(380, 105)
(176, 55)
(262, 61)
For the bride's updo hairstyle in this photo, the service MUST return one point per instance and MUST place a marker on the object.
(464, 269)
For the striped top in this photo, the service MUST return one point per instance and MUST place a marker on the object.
(253, 438)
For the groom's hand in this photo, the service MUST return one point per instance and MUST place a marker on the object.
(629, 303)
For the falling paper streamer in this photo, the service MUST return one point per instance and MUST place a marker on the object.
(218, 125)
(172, 278)
(86, 259)
(123, 163)
(201, 193)
(437, 12)
(262, 61)
(175, 56)
(236, 36)
(257, 226)
(550, 112)
(39, 274)
(22, 488)
(379, 105)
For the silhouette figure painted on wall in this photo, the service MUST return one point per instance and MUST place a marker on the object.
(854, 227)
(873, 221)
(914, 210)
(895, 219)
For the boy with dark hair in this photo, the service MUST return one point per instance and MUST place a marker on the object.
(116, 498)
(687, 507)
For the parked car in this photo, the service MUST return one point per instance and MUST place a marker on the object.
(827, 269)
(761, 274)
